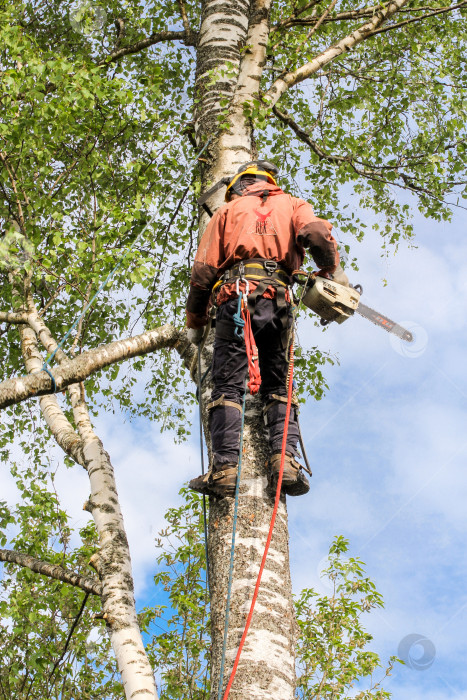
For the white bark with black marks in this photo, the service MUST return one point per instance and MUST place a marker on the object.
(113, 565)
(86, 583)
(38, 382)
(267, 663)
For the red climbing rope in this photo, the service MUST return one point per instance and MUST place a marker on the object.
(251, 353)
(271, 526)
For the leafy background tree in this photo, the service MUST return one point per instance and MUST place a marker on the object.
(101, 119)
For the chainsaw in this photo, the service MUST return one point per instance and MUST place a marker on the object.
(333, 301)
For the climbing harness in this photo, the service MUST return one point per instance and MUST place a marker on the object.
(256, 269)
(266, 273)
(108, 279)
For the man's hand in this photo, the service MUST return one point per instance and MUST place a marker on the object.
(196, 335)
(338, 276)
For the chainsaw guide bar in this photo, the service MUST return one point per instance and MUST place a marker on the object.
(333, 301)
(384, 322)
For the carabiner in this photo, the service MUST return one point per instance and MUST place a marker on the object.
(246, 291)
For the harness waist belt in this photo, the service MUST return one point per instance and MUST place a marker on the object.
(258, 269)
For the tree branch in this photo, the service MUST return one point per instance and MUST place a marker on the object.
(290, 79)
(86, 583)
(295, 21)
(185, 20)
(18, 389)
(369, 174)
(70, 634)
(294, 18)
(11, 317)
(189, 39)
(120, 26)
(11, 175)
(320, 21)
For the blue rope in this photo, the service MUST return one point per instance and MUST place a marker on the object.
(54, 385)
(49, 359)
(232, 553)
(201, 445)
(238, 320)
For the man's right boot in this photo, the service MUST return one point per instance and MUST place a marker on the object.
(294, 482)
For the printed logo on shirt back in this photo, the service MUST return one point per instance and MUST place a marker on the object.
(264, 225)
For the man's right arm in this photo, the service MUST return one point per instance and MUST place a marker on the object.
(314, 234)
(208, 259)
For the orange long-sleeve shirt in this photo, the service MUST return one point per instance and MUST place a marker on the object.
(278, 227)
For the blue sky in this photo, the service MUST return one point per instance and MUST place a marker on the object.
(388, 446)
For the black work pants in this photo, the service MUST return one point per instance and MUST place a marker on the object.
(229, 368)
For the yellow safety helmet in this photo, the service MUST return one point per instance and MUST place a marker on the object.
(261, 169)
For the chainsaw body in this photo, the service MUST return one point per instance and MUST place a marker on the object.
(330, 300)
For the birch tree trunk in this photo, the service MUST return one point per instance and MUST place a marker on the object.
(238, 32)
(112, 561)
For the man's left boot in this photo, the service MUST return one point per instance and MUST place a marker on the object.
(294, 482)
(220, 482)
(200, 484)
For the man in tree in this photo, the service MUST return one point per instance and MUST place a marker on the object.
(252, 245)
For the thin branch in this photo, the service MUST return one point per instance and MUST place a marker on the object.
(86, 583)
(18, 389)
(353, 14)
(4, 159)
(184, 16)
(320, 21)
(189, 40)
(442, 10)
(376, 175)
(53, 298)
(286, 22)
(70, 634)
(120, 25)
(68, 170)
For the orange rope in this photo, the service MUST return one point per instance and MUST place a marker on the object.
(251, 353)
